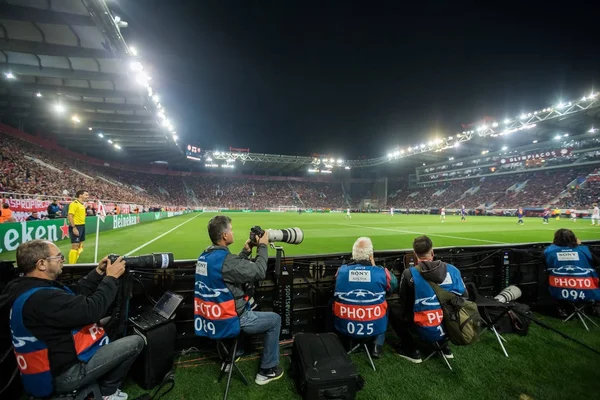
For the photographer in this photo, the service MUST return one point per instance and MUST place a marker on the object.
(219, 271)
(58, 345)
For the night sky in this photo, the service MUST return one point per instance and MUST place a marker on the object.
(352, 80)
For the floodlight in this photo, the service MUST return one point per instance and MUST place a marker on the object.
(560, 105)
(523, 116)
(155, 98)
(110, 141)
(59, 108)
(9, 75)
(38, 94)
(507, 121)
(101, 135)
(504, 148)
(456, 144)
(593, 130)
(117, 147)
(75, 118)
(495, 125)
(133, 51)
(566, 135)
(557, 137)
(136, 66)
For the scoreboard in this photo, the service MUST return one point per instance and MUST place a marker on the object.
(193, 152)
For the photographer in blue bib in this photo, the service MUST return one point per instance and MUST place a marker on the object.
(221, 298)
(57, 343)
(418, 310)
(359, 306)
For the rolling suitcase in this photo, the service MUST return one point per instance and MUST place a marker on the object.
(322, 368)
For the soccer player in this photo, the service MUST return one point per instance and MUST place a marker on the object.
(348, 214)
(595, 214)
(443, 214)
(546, 215)
(573, 215)
(76, 217)
(392, 211)
(520, 216)
(463, 214)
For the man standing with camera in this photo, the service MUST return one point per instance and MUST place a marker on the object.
(58, 345)
(222, 274)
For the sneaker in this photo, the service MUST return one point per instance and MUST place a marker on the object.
(118, 395)
(447, 352)
(266, 376)
(413, 355)
(226, 367)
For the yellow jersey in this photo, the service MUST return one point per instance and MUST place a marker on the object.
(78, 210)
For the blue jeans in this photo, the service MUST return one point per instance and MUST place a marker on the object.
(108, 367)
(269, 323)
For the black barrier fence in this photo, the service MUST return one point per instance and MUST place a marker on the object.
(300, 290)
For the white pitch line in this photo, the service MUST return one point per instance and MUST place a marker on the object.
(428, 234)
(158, 237)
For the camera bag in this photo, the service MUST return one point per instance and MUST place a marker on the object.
(322, 369)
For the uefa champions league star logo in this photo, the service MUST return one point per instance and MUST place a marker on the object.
(360, 296)
(204, 291)
(428, 301)
(571, 270)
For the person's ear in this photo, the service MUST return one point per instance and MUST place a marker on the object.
(41, 265)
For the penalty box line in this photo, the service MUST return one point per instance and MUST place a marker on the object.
(161, 235)
(428, 234)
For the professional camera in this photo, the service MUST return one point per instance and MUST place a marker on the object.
(288, 235)
(147, 261)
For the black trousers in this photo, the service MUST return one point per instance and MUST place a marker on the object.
(402, 324)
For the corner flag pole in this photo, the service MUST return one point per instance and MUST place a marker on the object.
(99, 216)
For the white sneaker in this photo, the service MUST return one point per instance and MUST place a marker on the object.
(118, 395)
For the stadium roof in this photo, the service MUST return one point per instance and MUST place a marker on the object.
(67, 70)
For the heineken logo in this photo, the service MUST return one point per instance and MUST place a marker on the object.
(121, 221)
(25, 231)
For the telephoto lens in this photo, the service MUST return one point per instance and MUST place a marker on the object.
(508, 294)
(288, 235)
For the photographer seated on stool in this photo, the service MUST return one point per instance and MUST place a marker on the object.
(222, 280)
(572, 271)
(418, 309)
(359, 307)
(59, 347)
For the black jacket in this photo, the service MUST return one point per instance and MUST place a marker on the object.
(433, 271)
(50, 315)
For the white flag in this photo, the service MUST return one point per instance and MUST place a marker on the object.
(101, 211)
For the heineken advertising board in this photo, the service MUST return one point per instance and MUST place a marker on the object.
(13, 234)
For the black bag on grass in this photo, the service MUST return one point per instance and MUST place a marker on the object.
(322, 369)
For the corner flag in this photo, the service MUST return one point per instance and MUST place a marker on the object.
(100, 216)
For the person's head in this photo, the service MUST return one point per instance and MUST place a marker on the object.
(82, 195)
(35, 214)
(565, 238)
(40, 259)
(423, 248)
(5, 205)
(363, 250)
(220, 231)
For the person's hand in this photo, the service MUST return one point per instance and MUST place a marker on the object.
(75, 231)
(101, 268)
(578, 241)
(264, 239)
(115, 269)
(248, 246)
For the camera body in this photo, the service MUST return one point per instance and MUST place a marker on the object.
(256, 232)
(146, 261)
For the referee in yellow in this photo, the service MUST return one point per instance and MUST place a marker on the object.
(76, 219)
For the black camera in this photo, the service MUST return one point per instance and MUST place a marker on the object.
(147, 261)
(256, 232)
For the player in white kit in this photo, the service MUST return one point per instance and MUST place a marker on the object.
(348, 214)
(595, 214)
(443, 214)
(573, 215)
(392, 211)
